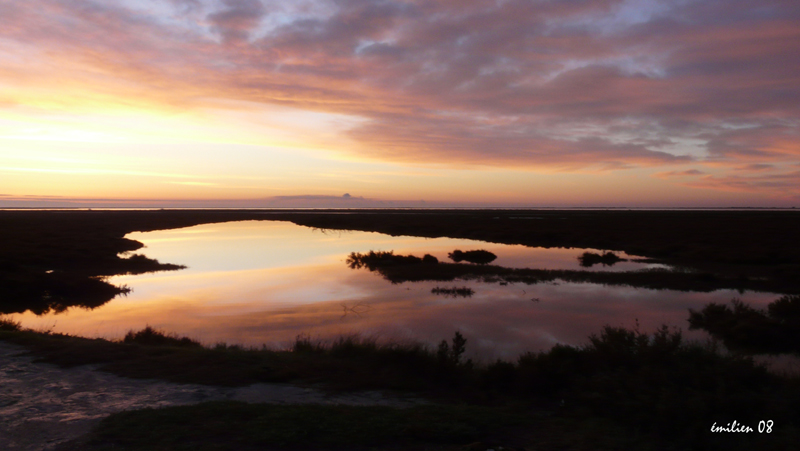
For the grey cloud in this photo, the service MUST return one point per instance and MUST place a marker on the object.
(560, 83)
(239, 17)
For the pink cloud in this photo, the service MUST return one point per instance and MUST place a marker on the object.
(239, 17)
(569, 85)
(679, 174)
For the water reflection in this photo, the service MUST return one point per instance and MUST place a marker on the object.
(266, 282)
(454, 292)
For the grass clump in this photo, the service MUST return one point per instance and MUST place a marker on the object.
(152, 337)
(410, 268)
(8, 324)
(741, 327)
(355, 362)
(374, 260)
(589, 259)
(455, 292)
(479, 257)
(655, 384)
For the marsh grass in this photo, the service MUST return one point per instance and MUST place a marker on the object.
(455, 292)
(152, 337)
(589, 259)
(237, 426)
(647, 385)
(742, 327)
(373, 260)
(8, 324)
(409, 268)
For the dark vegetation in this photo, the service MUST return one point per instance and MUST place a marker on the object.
(409, 268)
(589, 259)
(479, 257)
(9, 325)
(375, 260)
(152, 337)
(729, 245)
(632, 388)
(40, 293)
(454, 292)
(741, 327)
(240, 426)
(53, 260)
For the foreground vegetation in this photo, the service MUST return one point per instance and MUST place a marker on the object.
(629, 387)
(240, 426)
(741, 327)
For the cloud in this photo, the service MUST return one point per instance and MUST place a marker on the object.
(679, 174)
(573, 85)
(782, 185)
(300, 201)
(238, 18)
(756, 167)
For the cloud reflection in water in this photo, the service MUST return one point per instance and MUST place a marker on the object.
(266, 282)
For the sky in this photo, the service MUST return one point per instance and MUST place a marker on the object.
(314, 103)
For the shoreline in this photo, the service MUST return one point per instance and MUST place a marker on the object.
(52, 259)
(645, 384)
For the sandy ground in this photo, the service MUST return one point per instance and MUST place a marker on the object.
(43, 405)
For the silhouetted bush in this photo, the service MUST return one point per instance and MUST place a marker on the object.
(480, 257)
(152, 337)
(409, 268)
(41, 292)
(654, 384)
(451, 355)
(428, 258)
(588, 259)
(742, 327)
(463, 292)
(7, 323)
(786, 310)
(375, 260)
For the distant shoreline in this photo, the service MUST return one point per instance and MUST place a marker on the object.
(358, 209)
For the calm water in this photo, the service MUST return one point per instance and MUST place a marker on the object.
(265, 282)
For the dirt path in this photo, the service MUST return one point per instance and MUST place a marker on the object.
(42, 405)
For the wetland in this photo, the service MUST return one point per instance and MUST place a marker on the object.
(563, 320)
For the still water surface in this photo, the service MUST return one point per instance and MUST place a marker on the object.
(265, 282)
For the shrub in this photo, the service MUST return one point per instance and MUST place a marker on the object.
(588, 259)
(6, 323)
(152, 337)
(480, 257)
(742, 327)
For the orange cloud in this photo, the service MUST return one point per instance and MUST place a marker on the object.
(605, 84)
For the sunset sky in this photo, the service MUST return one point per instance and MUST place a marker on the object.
(259, 103)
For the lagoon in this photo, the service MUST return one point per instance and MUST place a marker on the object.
(265, 282)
